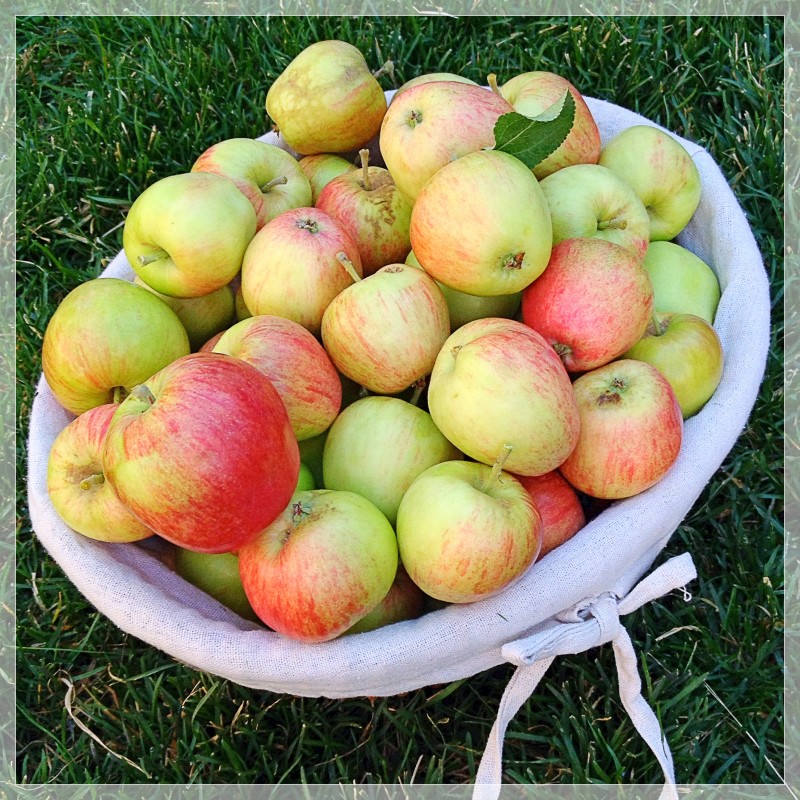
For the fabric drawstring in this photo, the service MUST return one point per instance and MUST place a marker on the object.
(592, 622)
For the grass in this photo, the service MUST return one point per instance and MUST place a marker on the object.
(108, 105)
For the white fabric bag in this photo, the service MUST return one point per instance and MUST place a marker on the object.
(604, 560)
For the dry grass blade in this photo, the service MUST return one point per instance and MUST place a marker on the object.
(85, 728)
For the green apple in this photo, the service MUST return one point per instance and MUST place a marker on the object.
(217, 574)
(77, 486)
(321, 169)
(465, 307)
(587, 200)
(311, 451)
(186, 234)
(327, 100)
(682, 282)
(466, 531)
(533, 93)
(305, 482)
(378, 445)
(242, 311)
(270, 178)
(106, 336)
(203, 317)
(661, 172)
(481, 225)
(432, 77)
(687, 352)
(497, 382)
(324, 563)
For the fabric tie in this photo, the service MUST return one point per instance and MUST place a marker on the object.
(592, 622)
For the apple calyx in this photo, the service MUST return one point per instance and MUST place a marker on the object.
(514, 261)
(96, 479)
(497, 467)
(142, 392)
(309, 225)
(414, 118)
(364, 154)
(613, 395)
(348, 265)
(143, 261)
(491, 79)
(279, 181)
(300, 511)
(455, 350)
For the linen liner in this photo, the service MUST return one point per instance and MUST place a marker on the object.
(143, 597)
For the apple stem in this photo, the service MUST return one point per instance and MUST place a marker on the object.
(143, 393)
(419, 387)
(386, 69)
(617, 223)
(492, 80)
(498, 466)
(92, 480)
(348, 265)
(279, 181)
(365, 166)
(143, 261)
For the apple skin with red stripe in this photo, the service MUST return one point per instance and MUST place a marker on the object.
(203, 453)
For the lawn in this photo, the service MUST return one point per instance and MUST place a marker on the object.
(105, 106)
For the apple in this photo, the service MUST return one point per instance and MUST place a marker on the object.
(592, 303)
(326, 562)
(687, 352)
(106, 336)
(208, 346)
(385, 331)
(296, 365)
(369, 206)
(327, 100)
(661, 172)
(481, 225)
(203, 453)
(465, 307)
(533, 93)
(430, 125)
(631, 430)
(432, 77)
(559, 506)
(217, 574)
(311, 451)
(297, 264)
(77, 486)
(321, 169)
(497, 382)
(270, 178)
(305, 481)
(405, 600)
(465, 531)
(682, 282)
(242, 311)
(203, 317)
(378, 445)
(186, 234)
(587, 200)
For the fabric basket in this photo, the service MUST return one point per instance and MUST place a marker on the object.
(602, 563)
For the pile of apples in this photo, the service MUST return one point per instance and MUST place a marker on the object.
(467, 351)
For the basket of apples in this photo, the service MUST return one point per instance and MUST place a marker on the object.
(432, 367)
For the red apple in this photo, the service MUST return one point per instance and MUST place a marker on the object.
(496, 382)
(631, 430)
(324, 563)
(592, 303)
(405, 600)
(203, 453)
(296, 365)
(432, 124)
(294, 266)
(369, 206)
(384, 332)
(559, 506)
(76, 483)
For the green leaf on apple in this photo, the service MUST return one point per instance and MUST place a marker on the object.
(533, 139)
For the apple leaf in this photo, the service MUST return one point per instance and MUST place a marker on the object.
(532, 139)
